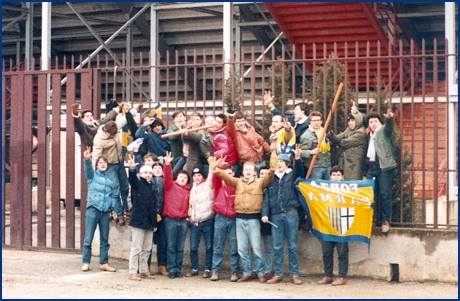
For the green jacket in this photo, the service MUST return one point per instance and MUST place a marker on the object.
(384, 145)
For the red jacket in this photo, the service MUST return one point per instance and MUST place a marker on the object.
(176, 199)
(224, 197)
(223, 146)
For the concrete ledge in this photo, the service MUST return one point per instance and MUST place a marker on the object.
(415, 254)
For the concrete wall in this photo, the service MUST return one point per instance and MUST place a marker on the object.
(420, 254)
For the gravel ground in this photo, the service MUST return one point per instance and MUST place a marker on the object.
(44, 275)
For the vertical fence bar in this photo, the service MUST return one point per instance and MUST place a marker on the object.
(413, 85)
(55, 161)
(70, 164)
(423, 131)
(435, 132)
(3, 131)
(27, 159)
(42, 196)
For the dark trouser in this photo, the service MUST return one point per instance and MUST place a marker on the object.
(328, 257)
(383, 183)
(159, 238)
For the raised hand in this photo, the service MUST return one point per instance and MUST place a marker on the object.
(268, 98)
(230, 109)
(87, 153)
(222, 161)
(212, 163)
(297, 151)
(75, 109)
(389, 114)
(286, 124)
(131, 162)
(168, 159)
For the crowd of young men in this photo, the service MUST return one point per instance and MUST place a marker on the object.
(208, 180)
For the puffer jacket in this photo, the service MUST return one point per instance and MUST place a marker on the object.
(281, 193)
(176, 198)
(101, 189)
(201, 201)
(250, 146)
(108, 147)
(354, 145)
(309, 141)
(144, 200)
(223, 146)
(249, 195)
(224, 197)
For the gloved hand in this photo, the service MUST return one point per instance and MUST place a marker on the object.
(75, 108)
(230, 110)
(112, 104)
(330, 135)
(273, 162)
(212, 163)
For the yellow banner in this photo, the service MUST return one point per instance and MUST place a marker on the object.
(339, 211)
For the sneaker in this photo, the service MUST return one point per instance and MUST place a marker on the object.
(106, 267)
(134, 277)
(214, 275)
(207, 274)
(234, 277)
(85, 267)
(385, 227)
(192, 273)
(121, 221)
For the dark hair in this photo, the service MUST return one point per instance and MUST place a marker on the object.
(157, 122)
(374, 115)
(336, 168)
(111, 127)
(101, 158)
(157, 164)
(223, 117)
(263, 167)
(84, 112)
(184, 173)
(303, 106)
(152, 156)
(177, 113)
(239, 115)
(227, 166)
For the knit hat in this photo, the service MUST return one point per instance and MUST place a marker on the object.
(350, 116)
(197, 170)
(146, 168)
(285, 157)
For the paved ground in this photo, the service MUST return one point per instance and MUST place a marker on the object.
(27, 274)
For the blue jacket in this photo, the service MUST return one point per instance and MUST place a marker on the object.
(155, 144)
(102, 192)
(281, 194)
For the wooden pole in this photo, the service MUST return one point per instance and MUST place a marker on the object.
(187, 131)
(326, 125)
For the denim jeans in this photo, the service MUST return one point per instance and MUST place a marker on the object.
(268, 252)
(225, 227)
(288, 224)
(141, 246)
(383, 184)
(93, 218)
(248, 235)
(118, 174)
(321, 173)
(328, 257)
(159, 237)
(176, 232)
(207, 229)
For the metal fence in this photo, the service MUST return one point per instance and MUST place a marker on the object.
(36, 185)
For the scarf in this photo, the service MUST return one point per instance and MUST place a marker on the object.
(325, 146)
(371, 148)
